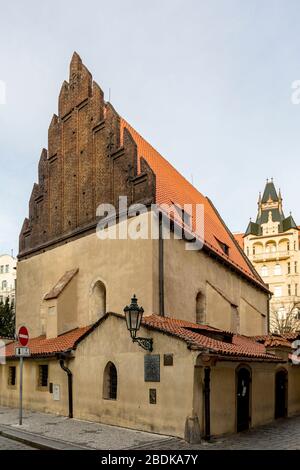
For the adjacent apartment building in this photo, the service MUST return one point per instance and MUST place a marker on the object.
(272, 245)
(7, 278)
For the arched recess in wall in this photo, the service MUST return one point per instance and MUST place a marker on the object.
(200, 308)
(284, 245)
(97, 300)
(271, 246)
(257, 248)
(110, 382)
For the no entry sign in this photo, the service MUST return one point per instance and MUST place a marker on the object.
(23, 336)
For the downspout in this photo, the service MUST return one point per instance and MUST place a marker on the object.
(161, 268)
(268, 314)
(207, 402)
(70, 383)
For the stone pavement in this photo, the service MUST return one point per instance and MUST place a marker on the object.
(63, 433)
(283, 434)
(72, 431)
(8, 444)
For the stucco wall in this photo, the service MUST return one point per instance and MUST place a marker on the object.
(33, 397)
(124, 266)
(132, 407)
(188, 272)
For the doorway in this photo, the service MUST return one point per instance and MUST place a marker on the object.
(243, 399)
(281, 382)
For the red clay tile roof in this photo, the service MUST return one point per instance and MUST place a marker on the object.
(41, 346)
(239, 237)
(276, 340)
(173, 188)
(241, 346)
(195, 335)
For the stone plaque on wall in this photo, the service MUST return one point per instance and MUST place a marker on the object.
(168, 359)
(152, 368)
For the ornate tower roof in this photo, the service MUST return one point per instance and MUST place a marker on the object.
(270, 210)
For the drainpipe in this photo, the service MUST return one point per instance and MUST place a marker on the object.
(268, 312)
(70, 382)
(207, 402)
(161, 267)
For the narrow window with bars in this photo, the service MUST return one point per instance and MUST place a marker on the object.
(43, 375)
(110, 382)
(12, 376)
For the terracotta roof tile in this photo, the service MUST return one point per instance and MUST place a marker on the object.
(172, 187)
(240, 239)
(201, 337)
(241, 346)
(41, 346)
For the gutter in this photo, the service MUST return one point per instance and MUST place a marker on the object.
(61, 357)
(161, 268)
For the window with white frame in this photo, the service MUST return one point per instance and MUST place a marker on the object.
(277, 270)
(277, 291)
(264, 271)
(281, 313)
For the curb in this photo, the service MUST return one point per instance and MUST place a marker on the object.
(38, 442)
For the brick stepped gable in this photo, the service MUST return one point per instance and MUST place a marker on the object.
(88, 162)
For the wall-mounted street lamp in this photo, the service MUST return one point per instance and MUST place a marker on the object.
(133, 316)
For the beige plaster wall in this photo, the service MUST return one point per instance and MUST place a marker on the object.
(124, 266)
(33, 396)
(188, 272)
(111, 342)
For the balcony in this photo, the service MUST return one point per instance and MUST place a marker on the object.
(270, 256)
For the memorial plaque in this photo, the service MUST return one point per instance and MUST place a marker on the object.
(152, 396)
(152, 368)
(168, 359)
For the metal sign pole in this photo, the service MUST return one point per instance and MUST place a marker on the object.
(21, 391)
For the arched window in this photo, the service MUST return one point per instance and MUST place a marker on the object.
(200, 308)
(4, 285)
(264, 271)
(277, 270)
(97, 301)
(110, 382)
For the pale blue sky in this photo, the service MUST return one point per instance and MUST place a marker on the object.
(208, 83)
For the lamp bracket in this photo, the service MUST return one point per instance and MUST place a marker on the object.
(145, 343)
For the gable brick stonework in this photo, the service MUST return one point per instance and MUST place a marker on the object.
(85, 165)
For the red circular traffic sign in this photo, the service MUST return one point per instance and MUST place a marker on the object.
(23, 336)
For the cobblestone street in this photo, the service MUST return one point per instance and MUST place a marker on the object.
(63, 433)
(280, 435)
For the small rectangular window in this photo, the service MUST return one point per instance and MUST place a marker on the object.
(289, 290)
(43, 376)
(289, 267)
(224, 247)
(6, 268)
(296, 267)
(296, 290)
(12, 376)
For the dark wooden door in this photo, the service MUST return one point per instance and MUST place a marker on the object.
(243, 399)
(280, 394)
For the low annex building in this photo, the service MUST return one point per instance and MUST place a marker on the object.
(206, 310)
(189, 359)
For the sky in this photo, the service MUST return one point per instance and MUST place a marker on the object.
(207, 83)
